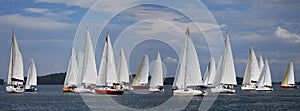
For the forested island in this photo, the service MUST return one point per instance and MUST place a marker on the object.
(58, 79)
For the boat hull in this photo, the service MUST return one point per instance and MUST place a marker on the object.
(222, 90)
(247, 88)
(140, 87)
(264, 89)
(84, 90)
(31, 88)
(188, 92)
(109, 91)
(288, 87)
(156, 90)
(11, 89)
(66, 89)
(69, 89)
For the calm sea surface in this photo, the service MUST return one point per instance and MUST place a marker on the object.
(50, 97)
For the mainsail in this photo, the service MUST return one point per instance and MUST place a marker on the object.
(228, 69)
(72, 71)
(188, 70)
(122, 68)
(31, 75)
(16, 62)
(107, 74)
(157, 76)
(143, 72)
(289, 76)
(89, 65)
(252, 70)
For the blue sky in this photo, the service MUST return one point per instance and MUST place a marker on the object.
(45, 30)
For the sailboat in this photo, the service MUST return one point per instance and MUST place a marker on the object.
(264, 82)
(15, 73)
(188, 71)
(89, 71)
(123, 72)
(157, 79)
(210, 73)
(141, 79)
(252, 71)
(72, 72)
(226, 71)
(107, 80)
(31, 82)
(289, 80)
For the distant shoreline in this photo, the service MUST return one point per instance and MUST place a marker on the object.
(58, 79)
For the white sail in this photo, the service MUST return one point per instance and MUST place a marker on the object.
(210, 72)
(31, 74)
(72, 71)
(79, 59)
(157, 76)
(252, 70)
(291, 79)
(89, 65)
(217, 78)
(122, 68)
(145, 70)
(228, 69)
(142, 73)
(179, 80)
(16, 62)
(261, 63)
(101, 78)
(188, 70)
(107, 72)
(265, 76)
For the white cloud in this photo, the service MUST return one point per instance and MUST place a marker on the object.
(286, 35)
(36, 10)
(254, 37)
(107, 6)
(42, 41)
(80, 3)
(170, 60)
(33, 22)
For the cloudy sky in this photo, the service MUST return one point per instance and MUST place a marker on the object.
(46, 30)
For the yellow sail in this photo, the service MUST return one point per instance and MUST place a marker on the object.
(136, 80)
(285, 79)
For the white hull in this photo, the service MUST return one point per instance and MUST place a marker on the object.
(84, 90)
(222, 90)
(209, 86)
(156, 90)
(11, 89)
(264, 89)
(188, 92)
(247, 87)
(127, 88)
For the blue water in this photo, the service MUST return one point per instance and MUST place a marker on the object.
(50, 97)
